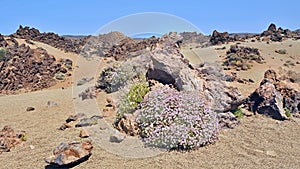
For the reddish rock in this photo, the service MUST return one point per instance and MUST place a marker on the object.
(70, 154)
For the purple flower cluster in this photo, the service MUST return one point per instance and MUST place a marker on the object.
(176, 120)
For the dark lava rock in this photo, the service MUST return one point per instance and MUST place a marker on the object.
(267, 100)
(218, 38)
(30, 109)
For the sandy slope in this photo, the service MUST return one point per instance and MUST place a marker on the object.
(258, 142)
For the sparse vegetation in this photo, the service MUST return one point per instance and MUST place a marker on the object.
(133, 98)
(287, 112)
(239, 113)
(2, 54)
(116, 77)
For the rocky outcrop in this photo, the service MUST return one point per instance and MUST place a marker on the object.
(278, 35)
(276, 95)
(70, 154)
(101, 45)
(65, 44)
(29, 69)
(240, 57)
(218, 38)
(193, 37)
(129, 47)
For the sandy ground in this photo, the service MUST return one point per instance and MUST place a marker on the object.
(258, 142)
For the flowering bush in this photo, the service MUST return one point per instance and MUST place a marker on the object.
(176, 120)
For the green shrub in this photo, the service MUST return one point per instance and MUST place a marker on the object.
(238, 113)
(287, 112)
(2, 54)
(131, 99)
(116, 77)
(249, 66)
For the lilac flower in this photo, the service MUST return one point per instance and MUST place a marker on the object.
(172, 119)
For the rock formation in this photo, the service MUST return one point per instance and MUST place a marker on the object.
(65, 44)
(28, 69)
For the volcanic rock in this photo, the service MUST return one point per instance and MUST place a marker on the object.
(10, 139)
(117, 137)
(52, 39)
(218, 38)
(28, 69)
(267, 100)
(88, 121)
(239, 57)
(70, 154)
(30, 109)
(168, 69)
(83, 133)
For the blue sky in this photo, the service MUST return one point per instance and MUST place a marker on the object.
(86, 17)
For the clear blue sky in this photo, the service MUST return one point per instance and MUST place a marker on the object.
(86, 17)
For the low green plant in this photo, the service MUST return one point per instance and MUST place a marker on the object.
(287, 112)
(239, 113)
(131, 99)
(248, 66)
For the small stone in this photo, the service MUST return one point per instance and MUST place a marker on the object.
(64, 126)
(108, 112)
(117, 137)
(31, 147)
(271, 153)
(75, 117)
(59, 76)
(83, 133)
(51, 104)
(30, 109)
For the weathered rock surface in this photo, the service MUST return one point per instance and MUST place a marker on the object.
(10, 139)
(83, 133)
(168, 69)
(88, 121)
(224, 98)
(70, 154)
(117, 137)
(267, 100)
(101, 45)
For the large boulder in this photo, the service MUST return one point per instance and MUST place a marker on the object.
(224, 98)
(267, 100)
(169, 69)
